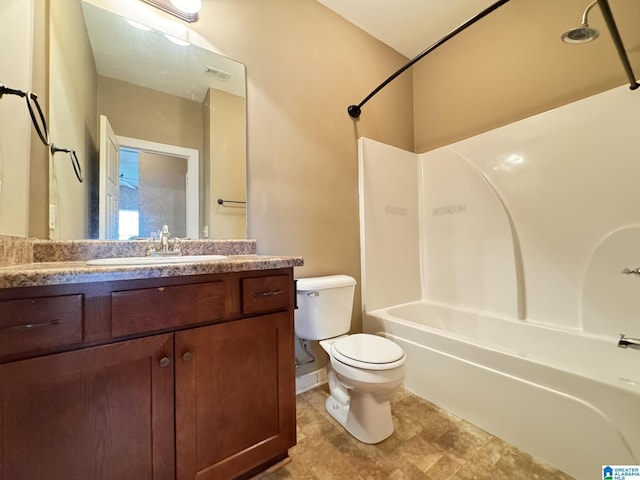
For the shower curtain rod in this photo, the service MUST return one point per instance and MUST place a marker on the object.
(355, 110)
(617, 40)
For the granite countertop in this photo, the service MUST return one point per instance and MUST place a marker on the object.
(64, 272)
(28, 262)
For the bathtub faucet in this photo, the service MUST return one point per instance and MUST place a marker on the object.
(626, 342)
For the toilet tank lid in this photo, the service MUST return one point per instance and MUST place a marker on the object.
(320, 283)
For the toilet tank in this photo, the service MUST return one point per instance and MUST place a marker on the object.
(324, 306)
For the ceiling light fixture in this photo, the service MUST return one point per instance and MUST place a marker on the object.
(186, 10)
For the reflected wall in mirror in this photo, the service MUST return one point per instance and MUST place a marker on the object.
(155, 90)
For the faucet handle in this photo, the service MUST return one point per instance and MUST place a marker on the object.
(176, 246)
(151, 246)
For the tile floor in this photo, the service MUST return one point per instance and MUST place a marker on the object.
(428, 444)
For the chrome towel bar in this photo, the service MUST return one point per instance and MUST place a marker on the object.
(222, 202)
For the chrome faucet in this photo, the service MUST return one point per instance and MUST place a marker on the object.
(627, 342)
(163, 235)
(164, 238)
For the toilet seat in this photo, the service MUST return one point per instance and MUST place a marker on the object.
(370, 352)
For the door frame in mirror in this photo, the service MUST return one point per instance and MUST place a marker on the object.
(192, 179)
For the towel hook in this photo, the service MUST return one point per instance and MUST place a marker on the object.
(628, 271)
(75, 163)
(39, 122)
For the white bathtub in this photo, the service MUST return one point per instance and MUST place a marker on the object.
(569, 399)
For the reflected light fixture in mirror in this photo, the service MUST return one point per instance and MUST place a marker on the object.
(188, 6)
(186, 10)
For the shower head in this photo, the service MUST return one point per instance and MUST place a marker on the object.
(581, 34)
(584, 33)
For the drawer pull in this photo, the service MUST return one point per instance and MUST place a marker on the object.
(164, 362)
(32, 326)
(187, 356)
(272, 293)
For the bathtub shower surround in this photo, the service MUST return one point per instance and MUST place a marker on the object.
(496, 263)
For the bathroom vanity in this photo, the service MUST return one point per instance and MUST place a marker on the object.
(147, 372)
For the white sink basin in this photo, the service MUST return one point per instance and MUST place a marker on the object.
(159, 260)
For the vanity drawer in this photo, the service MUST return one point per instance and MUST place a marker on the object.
(160, 308)
(34, 324)
(265, 294)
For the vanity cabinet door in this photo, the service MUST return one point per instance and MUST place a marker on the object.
(101, 413)
(235, 396)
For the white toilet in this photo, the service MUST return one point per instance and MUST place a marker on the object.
(364, 370)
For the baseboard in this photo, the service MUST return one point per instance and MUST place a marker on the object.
(310, 380)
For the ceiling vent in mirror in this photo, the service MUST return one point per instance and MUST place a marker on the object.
(221, 74)
(186, 10)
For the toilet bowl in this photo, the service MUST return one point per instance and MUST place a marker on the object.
(363, 371)
(362, 383)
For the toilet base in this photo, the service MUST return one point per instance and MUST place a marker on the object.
(363, 416)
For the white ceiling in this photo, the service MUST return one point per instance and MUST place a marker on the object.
(407, 26)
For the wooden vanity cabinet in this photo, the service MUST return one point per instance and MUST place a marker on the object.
(97, 413)
(234, 399)
(170, 392)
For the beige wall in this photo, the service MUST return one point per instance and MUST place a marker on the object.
(72, 119)
(16, 27)
(146, 114)
(226, 173)
(39, 161)
(305, 65)
(512, 64)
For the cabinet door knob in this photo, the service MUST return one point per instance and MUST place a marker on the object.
(186, 356)
(164, 362)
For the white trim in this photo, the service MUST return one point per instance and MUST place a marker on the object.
(311, 380)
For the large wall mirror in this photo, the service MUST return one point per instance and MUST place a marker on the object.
(158, 122)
